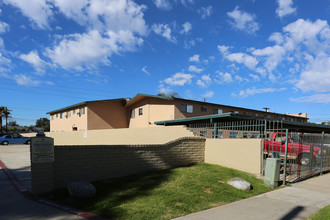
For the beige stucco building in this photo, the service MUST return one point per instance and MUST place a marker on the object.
(143, 111)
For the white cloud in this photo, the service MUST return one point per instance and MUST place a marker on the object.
(163, 4)
(243, 21)
(186, 28)
(4, 27)
(34, 59)
(81, 51)
(254, 91)
(285, 7)
(239, 79)
(248, 60)
(243, 58)
(114, 15)
(5, 63)
(274, 55)
(201, 83)
(194, 58)
(205, 81)
(187, 2)
(38, 11)
(255, 77)
(223, 49)
(144, 69)
(193, 68)
(276, 37)
(208, 94)
(316, 98)
(164, 90)
(224, 77)
(24, 80)
(205, 11)
(165, 31)
(179, 79)
(316, 77)
(111, 27)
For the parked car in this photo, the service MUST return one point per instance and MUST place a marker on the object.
(14, 139)
(299, 152)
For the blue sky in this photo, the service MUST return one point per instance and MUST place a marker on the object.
(247, 53)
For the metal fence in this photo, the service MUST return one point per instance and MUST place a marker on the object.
(302, 154)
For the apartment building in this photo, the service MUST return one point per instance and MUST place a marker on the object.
(143, 111)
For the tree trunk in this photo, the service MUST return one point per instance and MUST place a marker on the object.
(6, 125)
(0, 125)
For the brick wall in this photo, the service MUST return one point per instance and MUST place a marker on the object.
(90, 163)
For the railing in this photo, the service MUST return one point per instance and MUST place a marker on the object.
(302, 154)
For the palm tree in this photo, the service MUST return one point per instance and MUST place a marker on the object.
(2, 109)
(7, 113)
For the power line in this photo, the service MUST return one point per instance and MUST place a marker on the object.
(82, 89)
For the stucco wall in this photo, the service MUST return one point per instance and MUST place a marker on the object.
(153, 110)
(240, 154)
(66, 123)
(90, 163)
(152, 135)
(107, 115)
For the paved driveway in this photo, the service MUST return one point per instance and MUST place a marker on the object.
(13, 205)
(17, 158)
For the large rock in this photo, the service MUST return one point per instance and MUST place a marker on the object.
(81, 190)
(240, 183)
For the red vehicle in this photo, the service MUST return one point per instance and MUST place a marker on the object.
(301, 153)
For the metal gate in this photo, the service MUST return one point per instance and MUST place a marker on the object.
(302, 154)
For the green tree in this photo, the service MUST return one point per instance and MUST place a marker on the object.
(325, 123)
(4, 113)
(7, 114)
(43, 123)
(13, 123)
(2, 109)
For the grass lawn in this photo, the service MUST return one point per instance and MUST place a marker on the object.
(323, 214)
(163, 194)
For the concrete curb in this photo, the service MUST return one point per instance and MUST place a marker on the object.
(29, 195)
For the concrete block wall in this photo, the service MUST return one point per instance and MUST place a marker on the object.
(90, 163)
(122, 136)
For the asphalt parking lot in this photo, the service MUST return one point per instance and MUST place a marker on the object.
(17, 158)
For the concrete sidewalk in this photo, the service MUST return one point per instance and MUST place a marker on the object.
(296, 202)
(13, 205)
(19, 203)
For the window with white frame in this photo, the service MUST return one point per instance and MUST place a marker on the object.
(186, 108)
(217, 111)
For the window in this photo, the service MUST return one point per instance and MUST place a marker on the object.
(190, 109)
(61, 115)
(186, 108)
(183, 108)
(82, 110)
(140, 111)
(52, 117)
(74, 111)
(56, 115)
(132, 113)
(203, 109)
(69, 113)
(236, 112)
(217, 111)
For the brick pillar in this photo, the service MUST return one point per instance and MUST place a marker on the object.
(42, 164)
